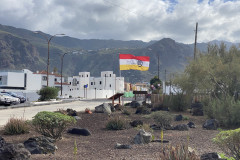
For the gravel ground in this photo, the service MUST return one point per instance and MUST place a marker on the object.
(100, 145)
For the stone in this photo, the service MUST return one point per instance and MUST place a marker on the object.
(71, 112)
(191, 125)
(142, 137)
(160, 141)
(179, 117)
(136, 123)
(156, 127)
(80, 131)
(122, 146)
(40, 145)
(127, 104)
(144, 103)
(181, 127)
(211, 124)
(112, 107)
(14, 152)
(107, 108)
(197, 109)
(210, 156)
(77, 117)
(103, 108)
(2, 142)
(118, 107)
(135, 104)
(142, 110)
(99, 109)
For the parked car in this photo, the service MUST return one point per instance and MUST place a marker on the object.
(13, 100)
(22, 98)
(5, 100)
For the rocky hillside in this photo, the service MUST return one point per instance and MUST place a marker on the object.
(20, 48)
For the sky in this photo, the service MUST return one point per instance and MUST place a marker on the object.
(144, 20)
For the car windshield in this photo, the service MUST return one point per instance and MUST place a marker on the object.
(6, 94)
(13, 94)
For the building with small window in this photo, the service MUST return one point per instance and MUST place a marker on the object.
(83, 85)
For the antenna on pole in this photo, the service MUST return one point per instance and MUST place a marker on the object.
(195, 44)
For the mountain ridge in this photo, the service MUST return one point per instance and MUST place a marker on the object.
(91, 55)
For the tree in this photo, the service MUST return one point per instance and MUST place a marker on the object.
(156, 84)
(216, 73)
(48, 93)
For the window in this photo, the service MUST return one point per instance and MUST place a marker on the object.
(70, 83)
(110, 85)
(0, 80)
(55, 79)
(82, 75)
(70, 89)
(91, 83)
(100, 82)
(105, 75)
(77, 82)
(74, 82)
(87, 75)
(44, 78)
(110, 75)
(94, 83)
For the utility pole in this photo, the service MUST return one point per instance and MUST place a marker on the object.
(158, 66)
(165, 80)
(195, 44)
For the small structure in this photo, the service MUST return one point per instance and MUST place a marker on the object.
(116, 96)
(139, 93)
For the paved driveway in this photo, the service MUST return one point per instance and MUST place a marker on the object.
(29, 112)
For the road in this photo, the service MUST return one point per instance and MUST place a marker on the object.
(28, 112)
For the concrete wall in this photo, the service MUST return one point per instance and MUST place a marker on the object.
(33, 82)
(89, 93)
(15, 79)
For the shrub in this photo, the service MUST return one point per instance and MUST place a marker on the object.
(16, 126)
(126, 112)
(180, 152)
(179, 102)
(116, 123)
(162, 118)
(145, 127)
(167, 101)
(226, 111)
(51, 124)
(48, 93)
(229, 142)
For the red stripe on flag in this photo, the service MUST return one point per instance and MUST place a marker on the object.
(130, 56)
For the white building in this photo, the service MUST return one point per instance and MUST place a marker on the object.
(85, 86)
(82, 86)
(21, 80)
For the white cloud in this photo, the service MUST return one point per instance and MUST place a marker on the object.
(126, 20)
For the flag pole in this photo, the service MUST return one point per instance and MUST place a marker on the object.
(119, 64)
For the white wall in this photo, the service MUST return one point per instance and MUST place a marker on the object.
(90, 93)
(120, 84)
(33, 81)
(84, 79)
(15, 79)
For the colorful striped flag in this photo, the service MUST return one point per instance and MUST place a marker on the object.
(128, 61)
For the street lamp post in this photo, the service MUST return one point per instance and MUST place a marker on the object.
(48, 41)
(62, 69)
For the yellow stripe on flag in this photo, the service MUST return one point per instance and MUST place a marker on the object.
(135, 67)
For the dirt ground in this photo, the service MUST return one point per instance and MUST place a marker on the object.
(100, 145)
